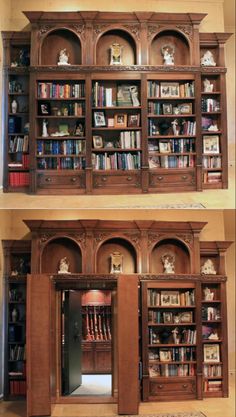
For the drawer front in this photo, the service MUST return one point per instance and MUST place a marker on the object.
(62, 180)
(170, 179)
(114, 180)
(159, 388)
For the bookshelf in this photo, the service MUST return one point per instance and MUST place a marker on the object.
(140, 123)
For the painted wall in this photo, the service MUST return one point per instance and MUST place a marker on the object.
(12, 19)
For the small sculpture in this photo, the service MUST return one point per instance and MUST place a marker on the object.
(168, 54)
(213, 128)
(116, 54)
(63, 57)
(175, 333)
(208, 87)
(208, 268)
(208, 295)
(208, 60)
(168, 263)
(64, 266)
(116, 263)
(14, 106)
(174, 127)
(79, 129)
(15, 315)
(45, 130)
(134, 95)
(213, 335)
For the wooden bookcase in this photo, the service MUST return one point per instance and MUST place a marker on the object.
(17, 265)
(140, 126)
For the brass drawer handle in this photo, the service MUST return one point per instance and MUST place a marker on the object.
(160, 178)
(160, 386)
(48, 179)
(184, 177)
(104, 179)
(184, 385)
(73, 179)
(129, 178)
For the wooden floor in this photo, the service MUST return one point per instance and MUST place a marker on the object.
(211, 199)
(211, 407)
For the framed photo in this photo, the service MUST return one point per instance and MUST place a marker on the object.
(120, 120)
(211, 144)
(164, 147)
(186, 317)
(97, 142)
(44, 108)
(133, 120)
(99, 119)
(185, 108)
(167, 317)
(169, 89)
(165, 355)
(212, 353)
(170, 298)
(167, 108)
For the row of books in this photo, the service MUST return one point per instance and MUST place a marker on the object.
(116, 161)
(22, 161)
(165, 161)
(61, 90)
(210, 104)
(17, 353)
(59, 163)
(212, 370)
(60, 147)
(17, 387)
(210, 313)
(212, 386)
(173, 145)
(158, 298)
(130, 139)
(19, 144)
(15, 87)
(211, 162)
(180, 354)
(212, 177)
(166, 336)
(102, 96)
(169, 317)
(19, 179)
(183, 127)
(170, 89)
(171, 370)
(121, 95)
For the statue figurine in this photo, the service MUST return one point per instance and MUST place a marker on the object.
(116, 54)
(64, 266)
(116, 263)
(174, 127)
(45, 130)
(63, 57)
(134, 95)
(175, 333)
(168, 54)
(14, 106)
(208, 295)
(208, 268)
(208, 87)
(168, 263)
(208, 60)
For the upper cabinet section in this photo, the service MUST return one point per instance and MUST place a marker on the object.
(115, 39)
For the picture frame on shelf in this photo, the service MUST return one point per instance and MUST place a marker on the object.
(211, 144)
(164, 147)
(133, 120)
(120, 120)
(97, 142)
(44, 108)
(167, 317)
(165, 355)
(99, 119)
(169, 90)
(211, 352)
(186, 317)
(185, 108)
(170, 298)
(167, 108)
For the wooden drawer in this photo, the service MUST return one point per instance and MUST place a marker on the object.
(167, 179)
(170, 389)
(117, 180)
(60, 180)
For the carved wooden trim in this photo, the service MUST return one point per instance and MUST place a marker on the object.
(101, 237)
(153, 237)
(182, 277)
(44, 29)
(80, 29)
(45, 237)
(121, 68)
(215, 70)
(187, 238)
(152, 30)
(187, 30)
(135, 239)
(80, 238)
(134, 29)
(98, 29)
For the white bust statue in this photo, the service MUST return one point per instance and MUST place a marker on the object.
(208, 294)
(64, 266)
(208, 87)
(63, 57)
(168, 54)
(168, 263)
(45, 130)
(208, 60)
(208, 268)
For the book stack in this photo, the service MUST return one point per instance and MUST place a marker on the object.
(17, 387)
(18, 179)
(60, 90)
(212, 386)
(130, 139)
(116, 161)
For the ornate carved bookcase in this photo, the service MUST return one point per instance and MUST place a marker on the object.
(163, 143)
(176, 343)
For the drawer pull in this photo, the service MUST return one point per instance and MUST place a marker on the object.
(73, 179)
(104, 179)
(129, 178)
(160, 386)
(160, 178)
(48, 179)
(184, 385)
(184, 177)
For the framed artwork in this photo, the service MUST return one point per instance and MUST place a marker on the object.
(99, 119)
(211, 144)
(164, 147)
(97, 142)
(167, 108)
(44, 108)
(186, 317)
(170, 298)
(212, 352)
(120, 120)
(185, 108)
(133, 120)
(167, 317)
(165, 355)
(169, 89)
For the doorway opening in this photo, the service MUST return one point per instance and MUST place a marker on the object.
(87, 354)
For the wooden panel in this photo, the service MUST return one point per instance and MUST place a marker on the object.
(128, 355)
(38, 346)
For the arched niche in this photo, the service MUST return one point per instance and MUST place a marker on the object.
(175, 39)
(57, 40)
(116, 245)
(57, 249)
(174, 247)
(116, 36)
